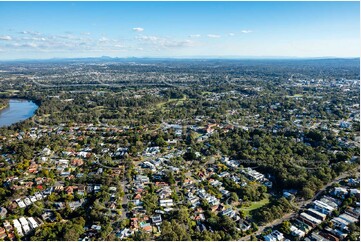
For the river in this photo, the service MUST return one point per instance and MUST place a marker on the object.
(17, 110)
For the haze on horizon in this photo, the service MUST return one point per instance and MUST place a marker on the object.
(40, 30)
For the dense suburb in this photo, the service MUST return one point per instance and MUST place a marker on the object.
(141, 149)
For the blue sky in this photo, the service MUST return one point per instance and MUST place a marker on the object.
(179, 29)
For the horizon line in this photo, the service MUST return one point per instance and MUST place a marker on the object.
(183, 57)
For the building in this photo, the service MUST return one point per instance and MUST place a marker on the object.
(322, 207)
(166, 203)
(274, 236)
(33, 224)
(18, 228)
(25, 225)
(316, 214)
(3, 212)
(314, 221)
(157, 219)
(298, 233)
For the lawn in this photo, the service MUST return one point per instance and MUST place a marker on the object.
(295, 96)
(172, 100)
(255, 205)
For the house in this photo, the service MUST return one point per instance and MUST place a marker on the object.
(3, 212)
(316, 214)
(33, 168)
(112, 189)
(48, 191)
(343, 221)
(27, 201)
(253, 175)
(38, 196)
(164, 192)
(33, 224)
(210, 128)
(339, 192)
(18, 228)
(97, 188)
(7, 226)
(20, 203)
(25, 225)
(96, 227)
(147, 227)
(142, 179)
(328, 236)
(81, 190)
(125, 233)
(59, 188)
(166, 202)
(3, 234)
(353, 182)
(288, 195)
(355, 192)
(297, 232)
(317, 237)
(322, 207)
(244, 225)
(200, 217)
(157, 219)
(33, 199)
(274, 236)
(48, 216)
(70, 189)
(46, 151)
(77, 162)
(228, 212)
(312, 220)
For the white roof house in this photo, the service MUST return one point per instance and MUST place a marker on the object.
(33, 223)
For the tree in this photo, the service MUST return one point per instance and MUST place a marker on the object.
(190, 155)
(234, 197)
(174, 231)
(285, 227)
(307, 193)
(141, 236)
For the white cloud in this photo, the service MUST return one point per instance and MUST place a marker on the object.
(165, 42)
(6, 37)
(63, 43)
(29, 32)
(231, 34)
(214, 36)
(138, 29)
(195, 36)
(103, 39)
(34, 38)
(246, 31)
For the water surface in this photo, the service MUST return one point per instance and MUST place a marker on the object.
(17, 110)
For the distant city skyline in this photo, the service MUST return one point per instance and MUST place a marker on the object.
(42, 30)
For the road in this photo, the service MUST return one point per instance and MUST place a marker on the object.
(301, 205)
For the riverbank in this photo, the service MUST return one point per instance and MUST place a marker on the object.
(4, 104)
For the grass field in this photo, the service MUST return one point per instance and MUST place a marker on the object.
(254, 205)
(295, 96)
(178, 100)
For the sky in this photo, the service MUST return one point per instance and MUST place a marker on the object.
(40, 30)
